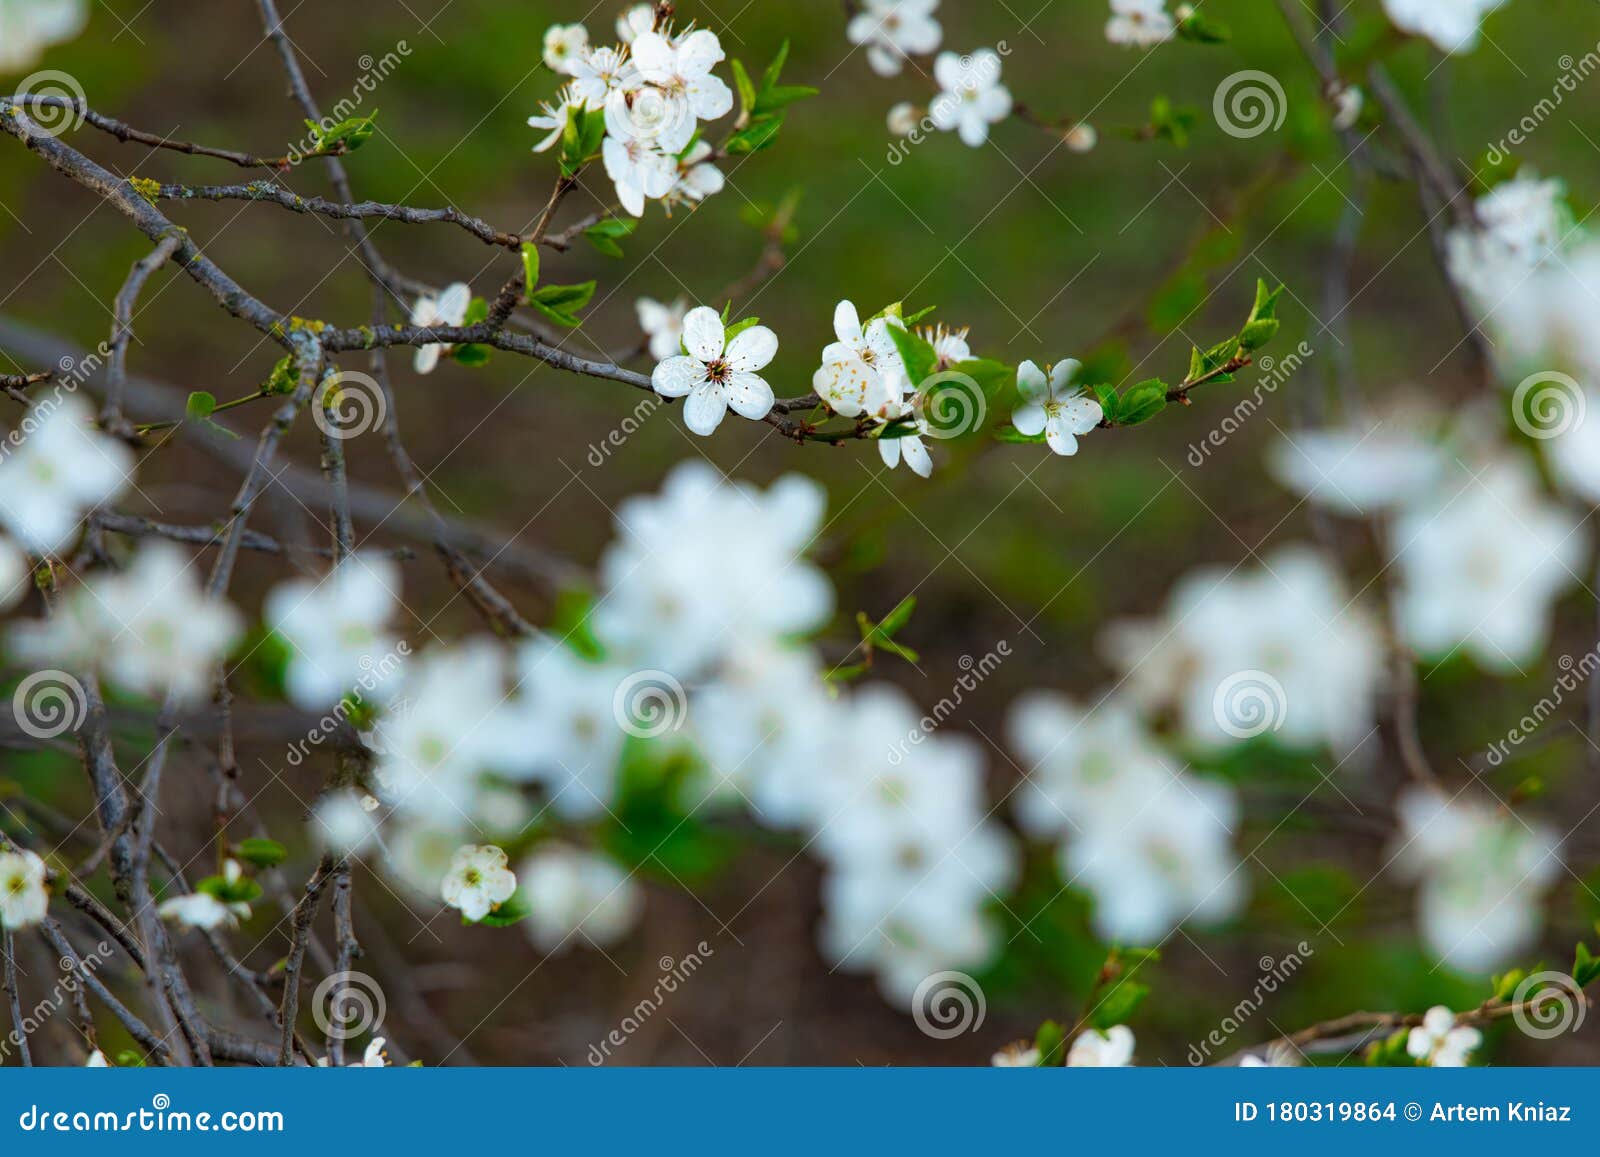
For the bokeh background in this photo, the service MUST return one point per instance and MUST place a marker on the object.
(1126, 254)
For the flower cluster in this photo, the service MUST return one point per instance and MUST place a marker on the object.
(1140, 23)
(653, 91)
(1482, 872)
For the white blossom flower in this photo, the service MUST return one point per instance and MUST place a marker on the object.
(1093, 1049)
(59, 470)
(681, 72)
(972, 97)
(635, 21)
(1016, 1055)
(201, 910)
(449, 308)
(637, 164)
(337, 629)
(862, 372)
(28, 27)
(1438, 1041)
(1573, 452)
(718, 375)
(1482, 875)
(552, 118)
(1519, 224)
(344, 824)
(97, 1060)
(949, 345)
(1348, 100)
(892, 30)
(698, 178)
(1140, 23)
(1054, 407)
(478, 881)
(1480, 565)
(449, 733)
(151, 628)
(707, 567)
(663, 324)
(1357, 470)
(564, 46)
(23, 896)
(908, 448)
(16, 576)
(1550, 313)
(1452, 25)
(903, 118)
(562, 729)
(1239, 654)
(602, 72)
(374, 1057)
(573, 893)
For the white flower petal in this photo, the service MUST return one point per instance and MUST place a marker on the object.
(703, 333)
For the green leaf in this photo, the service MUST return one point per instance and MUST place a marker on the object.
(1505, 985)
(1202, 30)
(898, 617)
(604, 235)
(472, 355)
(569, 622)
(919, 315)
(1051, 1041)
(755, 136)
(918, 355)
(201, 404)
(1142, 402)
(1266, 306)
(560, 303)
(349, 134)
(1118, 1004)
(747, 91)
(580, 139)
(477, 311)
(511, 912)
(769, 79)
(738, 327)
(283, 378)
(992, 377)
(774, 99)
(1014, 436)
(1258, 333)
(261, 852)
(530, 268)
(1585, 967)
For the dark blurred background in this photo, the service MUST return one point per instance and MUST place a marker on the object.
(1128, 254)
